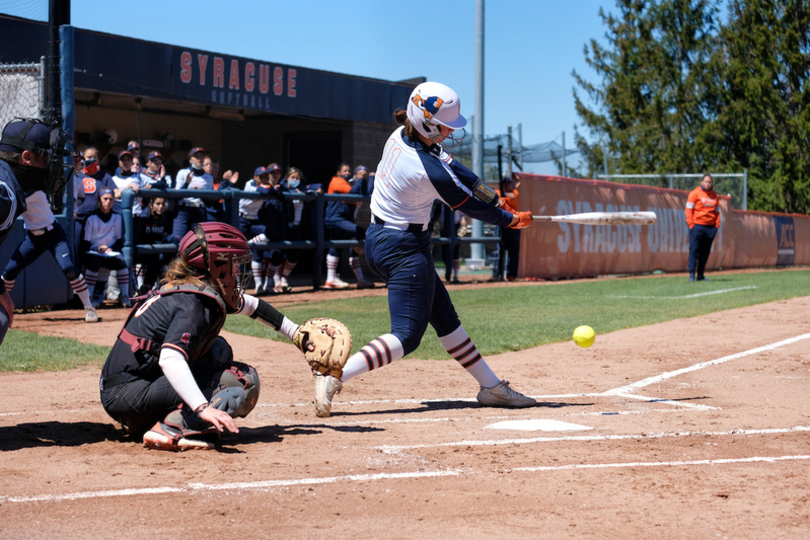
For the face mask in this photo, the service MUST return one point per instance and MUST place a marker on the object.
(196, 167)
(90, 166)
(293, 183)
(31, 179)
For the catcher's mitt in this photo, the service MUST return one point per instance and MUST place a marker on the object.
(326, 344)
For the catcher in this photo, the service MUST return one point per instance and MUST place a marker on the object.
(170, 376)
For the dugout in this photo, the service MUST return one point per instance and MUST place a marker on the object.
(244, 112)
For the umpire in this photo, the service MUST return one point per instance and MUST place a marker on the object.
(30, 156)
(703, 218)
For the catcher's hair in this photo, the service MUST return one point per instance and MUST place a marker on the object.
(401, 116)
(180, 273)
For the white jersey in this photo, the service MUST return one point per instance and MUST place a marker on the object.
(249, 208)
(134, 180)
(100, 233)
(411, 175)
(38, 213)
(205, 181)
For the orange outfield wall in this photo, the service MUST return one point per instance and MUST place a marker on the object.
(745, 239)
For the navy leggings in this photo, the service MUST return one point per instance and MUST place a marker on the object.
(416, 296)
(33, 246)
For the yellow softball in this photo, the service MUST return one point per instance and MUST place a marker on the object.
(584, 336)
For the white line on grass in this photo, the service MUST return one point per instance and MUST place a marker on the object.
(668, 375)
(578, 438)
(696, 295)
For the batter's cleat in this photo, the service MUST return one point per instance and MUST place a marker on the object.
(90, 314)
(336, 283)
(501, 395)
(691, 277)
(701, 278)
(326, 387)
(176, 434)
(363, 284)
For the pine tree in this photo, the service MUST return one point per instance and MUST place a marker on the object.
(658, 93)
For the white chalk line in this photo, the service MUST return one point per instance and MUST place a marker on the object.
(195, 487)
(660, 463)
(391, 449)
(670, 374)
(696, 295)
(270, 484)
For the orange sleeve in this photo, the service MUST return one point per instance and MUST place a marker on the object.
(690, 208)
(339, 185)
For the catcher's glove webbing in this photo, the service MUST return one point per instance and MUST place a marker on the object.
(326, 344)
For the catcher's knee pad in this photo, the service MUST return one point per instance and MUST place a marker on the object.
(221, 351)
(236, 389)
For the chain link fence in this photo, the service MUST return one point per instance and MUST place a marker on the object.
(22, 91)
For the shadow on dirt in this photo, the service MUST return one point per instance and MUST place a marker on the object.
(45, 434)
(276, 433)
(446, 405)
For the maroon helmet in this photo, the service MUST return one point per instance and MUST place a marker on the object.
(220, 251)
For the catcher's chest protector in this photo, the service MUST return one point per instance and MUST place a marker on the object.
(206, 341)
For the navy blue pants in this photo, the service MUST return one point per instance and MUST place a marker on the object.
(186, 218)
(254, 227)
(343, 230)
(416, 295)
(3, 324)
(700, 245)
(33, 246)
(510, 245)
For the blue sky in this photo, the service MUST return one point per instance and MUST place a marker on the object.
(531, 46)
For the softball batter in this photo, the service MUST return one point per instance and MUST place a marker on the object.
(413, 172)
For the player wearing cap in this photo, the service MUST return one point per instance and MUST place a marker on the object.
(127, 178)
(169, 370)
(191, 210)
(413, 172)
(31, 170)
(101, 248)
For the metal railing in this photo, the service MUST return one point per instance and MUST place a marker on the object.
(232, 197)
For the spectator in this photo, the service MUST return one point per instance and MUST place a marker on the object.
(93, 179)
(191, 210)
(155, 172)
(339, 221)
(292, 184)
(459, 222)
(272, 219)
(125, 178)
(215, 208)
(101, 245)
(252, 226)
(510, 238)
(154, 228)
(703, 219)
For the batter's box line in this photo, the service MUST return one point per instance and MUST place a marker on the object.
(392, 449)
(726, 461)
(692, 406)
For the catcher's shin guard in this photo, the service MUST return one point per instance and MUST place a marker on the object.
(181, 430)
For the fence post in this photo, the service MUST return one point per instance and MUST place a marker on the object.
(745, 189)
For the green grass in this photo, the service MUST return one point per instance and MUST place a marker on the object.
(514, 318)
(499, 319)
(24, 351)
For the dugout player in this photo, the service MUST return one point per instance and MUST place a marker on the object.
(32, 169)
(703, 219)
(169, 370)
(415, 170)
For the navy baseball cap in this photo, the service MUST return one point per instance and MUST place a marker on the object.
(260, 171)
(273, 167)
(124, 153)
(133, 146)
(195, 150)
(19, 135)
(154, 155)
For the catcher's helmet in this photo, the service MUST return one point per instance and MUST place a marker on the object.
(431, 104)
(220, 251)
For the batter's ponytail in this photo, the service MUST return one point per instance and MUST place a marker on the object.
(401, 116)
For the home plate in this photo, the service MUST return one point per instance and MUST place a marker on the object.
(537, 425)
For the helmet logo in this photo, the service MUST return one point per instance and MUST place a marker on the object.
(222, 257)
(429, 106)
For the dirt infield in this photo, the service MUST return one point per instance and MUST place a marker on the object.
(696, 428)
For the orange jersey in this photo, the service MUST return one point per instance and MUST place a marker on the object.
(339, 185)
(703, 208)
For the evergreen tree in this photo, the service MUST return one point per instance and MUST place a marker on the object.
(658, 91)
(765, 114)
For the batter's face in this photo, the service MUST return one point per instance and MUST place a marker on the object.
(707, 183)
(444, 132)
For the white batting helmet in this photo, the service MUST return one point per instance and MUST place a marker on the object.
(431, 104)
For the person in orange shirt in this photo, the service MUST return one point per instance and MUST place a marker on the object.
(510, 239)
(703, 218)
